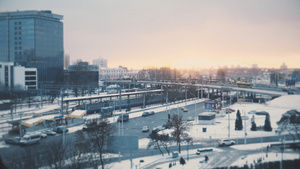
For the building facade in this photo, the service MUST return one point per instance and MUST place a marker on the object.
(25, 78)
(17, 77)
(66, 61)
(112, 73)
(33, 39)
(5, 75)
(101, 62)
(83, 74)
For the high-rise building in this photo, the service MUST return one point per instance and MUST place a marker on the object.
(100, 62)
(66, 61)
(33, 39)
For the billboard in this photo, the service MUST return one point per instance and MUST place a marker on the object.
(213, 104)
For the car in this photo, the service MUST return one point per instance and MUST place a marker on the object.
(60, 129)
(43, 135)
(145, 129)
(190, 119)
(49, 132)
(145, 114)
(160, 128)
(84, 128)
(123, 117)
(225, 142)
(167, 125)
(14, 140)
(151, 113)
(184, 109)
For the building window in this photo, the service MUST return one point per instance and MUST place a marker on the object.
(30, 73)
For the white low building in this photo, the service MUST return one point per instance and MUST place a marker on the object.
(25, 78)
(17, 77)
(207, 118)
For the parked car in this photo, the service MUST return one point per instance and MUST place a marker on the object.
(225, 142)
(151, 113)
(145, 129)
(60, 129)
(145, 114)
(14, 140)
(49, 132)
(190, 119)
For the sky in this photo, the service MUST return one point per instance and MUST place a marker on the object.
(181, 34)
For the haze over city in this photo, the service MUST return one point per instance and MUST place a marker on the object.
(177, 34)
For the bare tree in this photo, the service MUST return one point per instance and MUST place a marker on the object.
(158, 140)
(180, 130)
(290, 122)
(55, 154)
(96, 137)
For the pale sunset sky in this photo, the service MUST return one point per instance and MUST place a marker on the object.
(177, 33)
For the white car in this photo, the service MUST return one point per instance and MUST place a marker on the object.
(190, 119)
(145, 129)
(49, 133)
(225, 142)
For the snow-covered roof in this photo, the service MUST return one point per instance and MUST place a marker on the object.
(77, 113)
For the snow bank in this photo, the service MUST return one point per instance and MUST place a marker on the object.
(287, 101)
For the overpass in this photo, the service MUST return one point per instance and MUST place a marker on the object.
(207, 87)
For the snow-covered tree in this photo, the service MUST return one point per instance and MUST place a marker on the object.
(238, 121)
(253, 124)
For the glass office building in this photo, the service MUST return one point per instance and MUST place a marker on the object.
(33, 39)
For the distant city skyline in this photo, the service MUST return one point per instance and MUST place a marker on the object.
(173, 33)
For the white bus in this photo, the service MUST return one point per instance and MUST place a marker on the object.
(30, 139)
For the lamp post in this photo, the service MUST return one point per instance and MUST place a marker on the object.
(195, 107)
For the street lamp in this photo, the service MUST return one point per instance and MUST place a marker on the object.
(195, 107)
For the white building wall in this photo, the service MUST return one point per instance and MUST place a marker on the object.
(23, 80)
(112, 73)
(19, 77)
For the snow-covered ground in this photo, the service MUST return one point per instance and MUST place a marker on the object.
(163, 161)
(275, 108)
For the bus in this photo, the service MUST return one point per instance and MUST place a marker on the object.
(244, 84)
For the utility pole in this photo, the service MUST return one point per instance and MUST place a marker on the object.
(185, 95)
(20, 125)
(245, 120)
